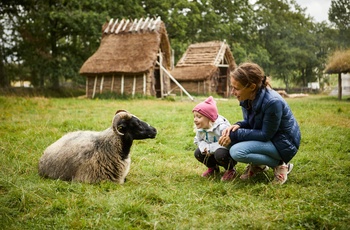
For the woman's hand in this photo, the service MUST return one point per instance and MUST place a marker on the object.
(230, 129)
(225, 140)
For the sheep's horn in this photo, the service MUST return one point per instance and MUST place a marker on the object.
(120, 110)
(120, 114)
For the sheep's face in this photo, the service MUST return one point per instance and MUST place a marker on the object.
(140, 130)
(133, 127)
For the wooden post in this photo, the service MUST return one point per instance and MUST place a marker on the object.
(134, 86)
(112, 84)
(87, 87)
(174, 80)
(161, 75)
(101, 84)
(339, 86)
(120, 26)
(204, 88)
(122, 85)
(228, 83)
(94, 89)
(144, 84)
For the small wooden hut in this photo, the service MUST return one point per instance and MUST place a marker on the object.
(339, 63)
(204, 69)
(129, 58)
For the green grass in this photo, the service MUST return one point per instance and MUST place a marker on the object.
(164, 189)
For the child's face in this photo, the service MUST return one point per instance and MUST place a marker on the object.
(201, 122)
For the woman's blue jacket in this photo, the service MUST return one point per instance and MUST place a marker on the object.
(270, 119)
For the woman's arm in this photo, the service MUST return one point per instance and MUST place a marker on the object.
(263, 129)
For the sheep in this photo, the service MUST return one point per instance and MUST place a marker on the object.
(91, 156)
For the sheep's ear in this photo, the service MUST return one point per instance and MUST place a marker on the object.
(121, 110)
(120, 129)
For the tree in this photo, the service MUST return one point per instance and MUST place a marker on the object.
(339, 14)
(55, 37)
(48, 41)
(190, 22)
(289, 38)
(6, 35)
(325, 42)
(237, 27)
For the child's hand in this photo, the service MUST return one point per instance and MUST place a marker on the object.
(205, 152)
(224, 141)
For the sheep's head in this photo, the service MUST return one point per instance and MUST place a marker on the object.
(125, 123)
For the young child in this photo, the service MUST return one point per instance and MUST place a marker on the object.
(209, 126)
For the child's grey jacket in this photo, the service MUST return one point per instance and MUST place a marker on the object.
(208, 139)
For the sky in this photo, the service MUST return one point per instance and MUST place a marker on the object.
(318, 9)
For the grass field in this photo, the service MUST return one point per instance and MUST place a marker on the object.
(164, 189)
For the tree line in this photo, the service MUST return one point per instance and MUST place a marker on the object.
(46, 42)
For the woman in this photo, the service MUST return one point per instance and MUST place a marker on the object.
(269, 135)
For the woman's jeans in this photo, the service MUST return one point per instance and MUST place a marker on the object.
(256, 153)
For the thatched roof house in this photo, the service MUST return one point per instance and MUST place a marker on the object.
(204, 68)
(339, 63)
(126, 61)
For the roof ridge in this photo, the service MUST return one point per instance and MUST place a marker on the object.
(132, 26)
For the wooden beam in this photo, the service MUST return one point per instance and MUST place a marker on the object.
(133, 25)
(144, 84)
(109, 24)
(228, 82)
(119, 27)
(339, 87)
(144, 24)
(161, 74)
(94, 89)
(87, 87)
(126, 23)
(150, 23)
(112, 84)
(101, 84)
(113, 27)
(122, 85)
(134, 86)
(138, 25)
(174, 80)
(223, 65)
(155, 23)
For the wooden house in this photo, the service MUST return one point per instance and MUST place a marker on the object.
(204, 69)
(129, 58)
(339, 63)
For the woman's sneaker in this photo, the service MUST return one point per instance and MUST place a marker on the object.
(252, 170)
(210, 172)
(230, 174)
(281, 173)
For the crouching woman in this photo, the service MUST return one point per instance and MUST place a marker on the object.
(269, 135)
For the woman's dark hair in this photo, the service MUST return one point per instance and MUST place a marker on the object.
(248, 73)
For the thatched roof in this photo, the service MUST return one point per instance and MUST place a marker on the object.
(201, 61)
(129, 47)
(339, 62)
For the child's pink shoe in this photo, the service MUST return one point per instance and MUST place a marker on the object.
(210, 172)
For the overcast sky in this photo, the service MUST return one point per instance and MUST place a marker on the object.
(318, 9)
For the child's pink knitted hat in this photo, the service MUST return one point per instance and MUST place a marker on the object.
(207, 108)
